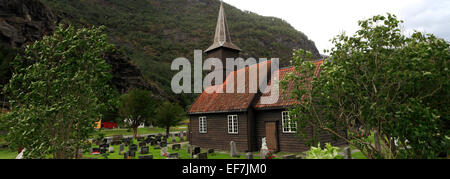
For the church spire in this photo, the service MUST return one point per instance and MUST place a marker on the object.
(222, 37)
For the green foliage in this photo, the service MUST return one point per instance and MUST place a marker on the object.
(153, 33)
(329, 152)
(138, 106)
(168, 115)
(59, 88)
(379, 80)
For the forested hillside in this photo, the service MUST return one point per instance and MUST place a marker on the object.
(154, 32)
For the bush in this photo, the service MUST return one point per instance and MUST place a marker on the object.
(329, 152)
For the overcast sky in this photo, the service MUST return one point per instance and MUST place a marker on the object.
(321, 20)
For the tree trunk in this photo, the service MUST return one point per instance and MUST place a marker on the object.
(168, 130)
(135, 132)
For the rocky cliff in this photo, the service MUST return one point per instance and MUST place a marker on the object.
(25, 21)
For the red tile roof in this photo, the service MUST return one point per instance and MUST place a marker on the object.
(233, 102)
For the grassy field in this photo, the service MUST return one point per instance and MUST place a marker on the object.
(7, 154)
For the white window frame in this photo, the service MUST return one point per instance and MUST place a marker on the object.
(202, 125)
(287, 124)
(233, 124)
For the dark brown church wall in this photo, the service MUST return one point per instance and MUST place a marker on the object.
(287, 142)
(217, 135)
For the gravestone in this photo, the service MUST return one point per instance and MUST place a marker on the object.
(289, 157)
(145, 150)
(153, 142)
(164, 151)
(202, 156)
(132, 154)
(173, 156)
(129, 155)
(121, 148)
(249, 155)
(211, 152)
(181, 137)
(233, 149)
(264, 150)
(146, 157)
(163, 144)
(133, 147)
(196, 150)
(174, 138)
(142, 144)
(127, 141)
(111, 149)
(347, 153)
(103, 150)
(176, 146)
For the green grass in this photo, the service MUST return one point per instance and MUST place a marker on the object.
(7, 154)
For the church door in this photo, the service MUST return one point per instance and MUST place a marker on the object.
(272, 136)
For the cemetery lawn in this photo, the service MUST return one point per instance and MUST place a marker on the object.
(141, 131)
(156, 153)
(7, 154)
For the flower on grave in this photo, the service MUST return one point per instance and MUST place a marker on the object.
(269, 155)
(165, 154)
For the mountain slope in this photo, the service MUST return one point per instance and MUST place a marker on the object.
(155, 32)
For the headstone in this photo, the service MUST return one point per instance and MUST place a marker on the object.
(129, 155)
(153, 142)
(145, 150)
(142, 144)
(103, 150)
(121, 148)
(202, 156)
(347, 153)
(264, 150)
(132, 154)
(174, 138)
(133, 147)
(181, 136)
(146, 157)
(233, 150)
(249, 155)
(196, 150)
(289, 157)
(172, 156)
(211, 152)
(163, 144)
(176, 146)
(127, 141)
(111, 149)
(164, 151)
(20, 156)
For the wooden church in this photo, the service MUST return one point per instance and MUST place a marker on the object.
(217, 119)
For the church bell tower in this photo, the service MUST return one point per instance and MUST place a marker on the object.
(222, 48)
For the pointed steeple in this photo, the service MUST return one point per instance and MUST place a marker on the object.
(222, 37)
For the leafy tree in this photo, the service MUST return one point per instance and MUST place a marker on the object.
(168, 115)
(58, 90)
(137, 107)
(381, 81)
